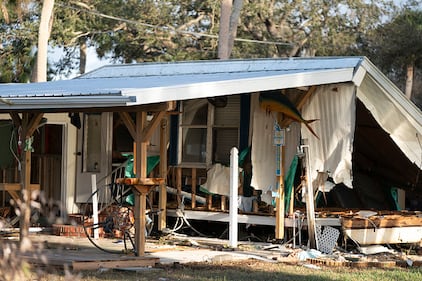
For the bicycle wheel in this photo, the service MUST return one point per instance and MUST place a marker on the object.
(115, 224)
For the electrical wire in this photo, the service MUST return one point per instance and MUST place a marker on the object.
(170, 28)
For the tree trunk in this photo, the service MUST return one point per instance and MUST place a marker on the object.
(409, 80)
(223, 34)
(82, 57)
(43, 36)
(234, 21)
(229, 19)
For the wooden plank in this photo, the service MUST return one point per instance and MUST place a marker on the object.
(140, 159)
(127, 263)
(162, 199)
(163, 106)
(141, 147)
(309, 200)
(179, 186)
(141, 235)
(286, 122)
(152, 125)
(308, 94)
(140, 181)
(279, 222)
(33, 124)
(193, 189)
(129, 123)
(223, 202)
(381, 221)
(17, 186)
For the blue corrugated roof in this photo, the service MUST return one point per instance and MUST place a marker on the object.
(146, 83)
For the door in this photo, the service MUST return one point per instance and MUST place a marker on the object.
(94, 153)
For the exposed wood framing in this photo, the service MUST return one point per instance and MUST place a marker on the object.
(28, 123)
(152, 125)
(279, 222)
(286, 122)
(140, 154)
(164, 106)
(143, 133)
(129, 123)
(162, 200)
(179, 186)
(193, 200)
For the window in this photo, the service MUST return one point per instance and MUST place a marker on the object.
(208, 128)
(92, 143)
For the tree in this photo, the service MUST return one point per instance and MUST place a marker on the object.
(307, 28)
(396, 47)
(127, 31)
(17, 33)
(229, 18)
(44, 31)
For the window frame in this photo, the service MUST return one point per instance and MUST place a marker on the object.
(210, 126)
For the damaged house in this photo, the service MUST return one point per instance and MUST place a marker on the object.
(323, 138)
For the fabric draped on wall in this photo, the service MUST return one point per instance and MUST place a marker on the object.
(263, 154)
(334, 106)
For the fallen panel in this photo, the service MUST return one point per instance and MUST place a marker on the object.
(392, 235)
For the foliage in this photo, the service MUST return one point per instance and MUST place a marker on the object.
(397, 44)
(18, 31)
(138, 31)
(128, 31)
(308, 28)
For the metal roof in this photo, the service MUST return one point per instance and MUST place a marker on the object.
(148, 83)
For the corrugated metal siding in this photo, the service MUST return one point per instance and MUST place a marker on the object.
(335, 110)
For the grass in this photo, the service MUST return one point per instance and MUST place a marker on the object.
(250, 270)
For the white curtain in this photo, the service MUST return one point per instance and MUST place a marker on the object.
(263, 154)
(335, 108)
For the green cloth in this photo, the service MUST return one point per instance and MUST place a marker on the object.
(152, 162)
(288, 182)
(395, 195)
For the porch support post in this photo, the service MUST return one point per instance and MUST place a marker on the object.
(140, 158)
(141, 146)
(309, 200)
(234, 185)
(279, 200)
(162, 200)
(29, 124)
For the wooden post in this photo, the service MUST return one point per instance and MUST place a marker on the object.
(209, 201)
(193, 191)
(223, 202)
(309, 199)
(141, 147)
(279, 231)
(25, 204)
(292, 200)
(140, 217)
(179, 186)
(279, 228)
(28, 124)
(233, 209)
(162, 200)
(140, 164)
(95, 204)
(141, 188)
